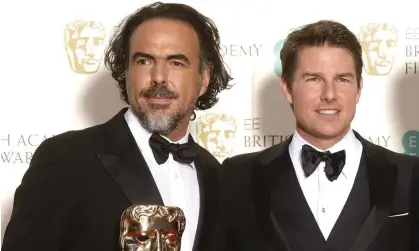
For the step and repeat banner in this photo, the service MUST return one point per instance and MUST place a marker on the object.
(53, 78)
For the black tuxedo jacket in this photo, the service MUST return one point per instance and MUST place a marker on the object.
(263, 207)
(79, 183)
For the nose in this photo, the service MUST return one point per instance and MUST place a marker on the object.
(220, 140)
(159, 73)
(90, 46)
(159, 242)
(382, 49)
(329, 92)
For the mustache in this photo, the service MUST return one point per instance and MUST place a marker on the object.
(159, 90)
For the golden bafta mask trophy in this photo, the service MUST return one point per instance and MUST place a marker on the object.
(151, 228)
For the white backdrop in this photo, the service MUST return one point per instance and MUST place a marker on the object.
(44, 91)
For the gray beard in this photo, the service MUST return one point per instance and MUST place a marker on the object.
(157, 122)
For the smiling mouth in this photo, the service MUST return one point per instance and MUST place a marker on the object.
(383, 63)
(329, 112)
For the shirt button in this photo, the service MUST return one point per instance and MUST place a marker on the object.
(323, 210)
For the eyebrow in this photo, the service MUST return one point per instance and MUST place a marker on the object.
(317, 74)
(140, 54)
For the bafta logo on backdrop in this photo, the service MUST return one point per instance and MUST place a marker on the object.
(84, 45)
(378, 42)
(216, 132)
(277, 52)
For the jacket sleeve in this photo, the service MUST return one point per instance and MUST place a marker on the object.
(43, 202)
(414, 238)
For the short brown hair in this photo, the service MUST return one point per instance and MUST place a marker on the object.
(320, 33)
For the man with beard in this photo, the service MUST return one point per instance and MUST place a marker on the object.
(166, 60)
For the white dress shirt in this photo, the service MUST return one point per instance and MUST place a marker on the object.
(325, 198)
(177, 182)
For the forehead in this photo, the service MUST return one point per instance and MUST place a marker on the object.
(157, 223)
(221, 125)
(384, 35)
(162, 36)
(324, 59)
(90, 32)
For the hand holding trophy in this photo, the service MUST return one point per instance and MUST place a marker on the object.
(151, 228)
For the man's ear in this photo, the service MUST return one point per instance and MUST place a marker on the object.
(358, 95)
(286, 90)
(205, 80)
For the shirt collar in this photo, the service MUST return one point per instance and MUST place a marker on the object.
(349, 143)
(142, 136)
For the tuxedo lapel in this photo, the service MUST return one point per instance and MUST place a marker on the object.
(382, 177)
(133, 177)
(291, 210)
(126, 165)
(355, 211)
(208, 192)
(264, 175)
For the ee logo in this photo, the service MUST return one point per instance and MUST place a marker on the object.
(410, 142)
(277, 51)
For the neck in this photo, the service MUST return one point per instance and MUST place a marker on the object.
(320, 141)
(179, 132)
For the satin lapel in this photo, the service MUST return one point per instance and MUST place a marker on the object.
(382, 177)
(264, 174)
(133, 177)
(125, 164)
(208, 190)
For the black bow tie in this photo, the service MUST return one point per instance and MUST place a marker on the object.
(334, 163)
(183, 153)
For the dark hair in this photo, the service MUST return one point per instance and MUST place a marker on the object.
(117, 54)
(320, 33)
